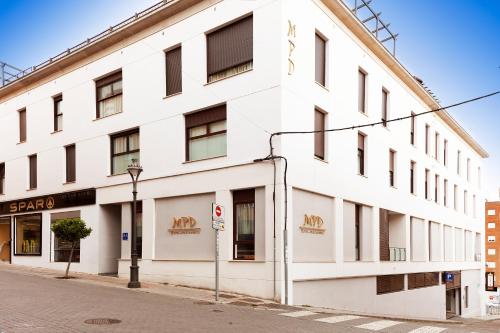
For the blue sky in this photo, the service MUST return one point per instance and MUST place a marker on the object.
(453, 45)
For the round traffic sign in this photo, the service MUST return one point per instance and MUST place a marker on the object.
(218, 211)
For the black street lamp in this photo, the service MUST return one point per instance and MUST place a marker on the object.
(134, 170)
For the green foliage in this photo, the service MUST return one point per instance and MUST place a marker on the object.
(70, 230)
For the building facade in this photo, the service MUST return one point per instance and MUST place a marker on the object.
(492, 234)
(194, 89)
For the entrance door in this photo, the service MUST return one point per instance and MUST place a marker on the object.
(5, 239)
(452, 302)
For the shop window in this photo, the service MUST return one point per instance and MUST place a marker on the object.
(109, 95)
(28, 235)
(244, 224)
(206, 134)
(230, 50)
(125, 147)
(62, 249)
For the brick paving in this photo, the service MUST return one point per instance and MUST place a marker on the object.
(33, 300)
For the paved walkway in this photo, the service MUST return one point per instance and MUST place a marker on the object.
(34, 300)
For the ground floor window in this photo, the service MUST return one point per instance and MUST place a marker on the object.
(28, 235)
(62, 249)
(244, 224)
(490, 281)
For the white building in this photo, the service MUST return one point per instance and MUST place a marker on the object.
(193, 89)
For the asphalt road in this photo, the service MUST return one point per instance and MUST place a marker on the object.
(44, 304)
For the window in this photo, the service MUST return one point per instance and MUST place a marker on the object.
(244, 224)
(361, 153)
(468, 169)
(392, 167)
(465, 202)
(385, 106)
(455, 197)
(22, 125)
(58, 113)
(491, 225)
(230, 50)
(319, 137)
(412, 128)
(436, 188)
(125, 147)
(427, 184)
(357, 231)
(445, 192)
(491, 264)
(109, 95)
(490, 281)
(70, 164)
(466, 296)
(361, 91)
(445, 152)
(2, 178)
(28, 235)
(436, 146)
(492, 252)
(491, 212)
(320, 60)
(458, 162)
(173, 66)
(474, 211)
(390, 283)
(412, 177)
(491, 239)
(32, 172)
(62, 249)
(427, 130)
(422, 280)
(206, 133)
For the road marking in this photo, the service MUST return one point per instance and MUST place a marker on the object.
(298, 314)
(428, 329)
(379, 325)
(338, 319)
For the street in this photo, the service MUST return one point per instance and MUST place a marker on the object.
(30, 303)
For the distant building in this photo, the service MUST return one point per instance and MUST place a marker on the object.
(380, 220)
(492, 241)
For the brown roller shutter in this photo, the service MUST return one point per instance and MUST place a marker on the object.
(206, 116)
(390, 283)
(431, 279)
(320, 60)
(70, 164)
(33, 171)
(230, 46)
(361, 91)
(22, 125)
(319, 138)
(384, 235)
(243, 196)
(109, 79)
(173, 60)
(361, 141)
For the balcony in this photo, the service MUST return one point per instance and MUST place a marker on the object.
(397, 254)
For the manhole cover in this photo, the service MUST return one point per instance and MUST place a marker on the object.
(102, 321)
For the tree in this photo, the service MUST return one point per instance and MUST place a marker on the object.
(70, 230)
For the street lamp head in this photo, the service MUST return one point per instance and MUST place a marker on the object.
(134, 169)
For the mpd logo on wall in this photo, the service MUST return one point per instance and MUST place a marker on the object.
(313, 224)
(184, 226)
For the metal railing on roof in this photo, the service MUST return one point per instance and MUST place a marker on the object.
(10, 74)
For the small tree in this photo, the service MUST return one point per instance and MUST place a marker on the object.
(70, 230)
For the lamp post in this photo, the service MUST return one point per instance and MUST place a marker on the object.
(134, 170)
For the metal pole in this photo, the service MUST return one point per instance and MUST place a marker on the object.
(216, 264)
(134, 269)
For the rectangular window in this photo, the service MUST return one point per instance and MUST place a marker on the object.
(390, 283)
(465, 202)
(468, 169)
(319, 137)
(436, 188)
(173, 66)
(357, 232)
(436, 146)
(445, 193)
(361, 153)
(490, 281)
(32, 172)
(2, 178)
(492, 252)
(491, 225)
(427, 130)
(458, 162)
(474, 211)
(422, 280)
(491, 264)
(427, 184)
(28, 235)
(412, 128)
(244, 224)
(230, 50)
(109, 95)
(385, 107)
(58, 113)
(455, 197)
(361, 91)
(125, 147)
(22, 125)
(70, 164)
(491, 212)
(206, 134)
(320, 62)
(412, 177)
(392, 168)
(491, 239)
(445, 152)
(62, 249)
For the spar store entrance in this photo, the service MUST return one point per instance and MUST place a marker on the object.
(5, 241)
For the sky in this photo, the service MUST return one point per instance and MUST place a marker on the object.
(453, 45)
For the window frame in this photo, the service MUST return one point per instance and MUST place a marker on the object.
(361, 154)
(23, 125)
(321, 71)
(362, 88)
(385, 107)
(413, 129)
(58, 113)
(243, 196)
(32, 173)
(320, 136)
(68, 165)
(127, 134)
(170, 51)
(413, 168)
(107, 80)
(15, 236)
(392, 167)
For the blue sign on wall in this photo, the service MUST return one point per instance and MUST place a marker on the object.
(449, 277)
(125, 236)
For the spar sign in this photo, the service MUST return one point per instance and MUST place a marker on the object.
(217, 216)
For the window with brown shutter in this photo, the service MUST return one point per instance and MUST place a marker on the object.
(385, 106)
(392, 165)
(412, 177)
(70, 164)
(319, 137)
(33, 172)
(361, 153)
(109, 95)
(361, 91)
(320, 62)
(244, 224)
(412, 129)
(22, 125)
(422, 280)
(230, 49)
(58, 113)
(390, 283)
(2, 178)
(173, 62)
